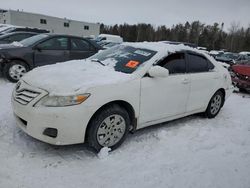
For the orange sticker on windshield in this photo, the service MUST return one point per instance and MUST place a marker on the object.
(132, 64)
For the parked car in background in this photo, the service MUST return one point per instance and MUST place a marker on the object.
(44, 49)
(215, 53)
(109, 38)
(242, 58)
(227, 57)
(241, 75)
(203, 49)
(245, 53)
(107, 45)
(121, 89)
(5, 29)
(15, 37)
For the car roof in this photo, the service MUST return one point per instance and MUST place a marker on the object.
(64, 35)
(184, 43)
(164, 47)
(20, 32)
(72, 36)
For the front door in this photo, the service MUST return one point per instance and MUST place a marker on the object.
(163, 98)
(51, 51)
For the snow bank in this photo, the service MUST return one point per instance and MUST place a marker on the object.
(104, 153)
(17, 44)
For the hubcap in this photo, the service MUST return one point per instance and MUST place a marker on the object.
(216, 104)
(111, 130)
(17, 71)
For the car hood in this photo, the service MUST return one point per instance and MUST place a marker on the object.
(13, 45)
(73, 77)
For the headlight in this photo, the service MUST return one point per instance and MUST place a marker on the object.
(60, 101)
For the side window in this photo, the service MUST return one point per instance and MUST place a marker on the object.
(79, 44)
(197, 63)
(175, 63)
(56, 43)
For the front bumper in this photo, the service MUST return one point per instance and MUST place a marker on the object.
(243, 84)
(70, 122)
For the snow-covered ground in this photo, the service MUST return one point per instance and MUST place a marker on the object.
(191, 152)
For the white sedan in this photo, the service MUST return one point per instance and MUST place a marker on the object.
(125, 88)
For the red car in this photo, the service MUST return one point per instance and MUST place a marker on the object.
(241, 75)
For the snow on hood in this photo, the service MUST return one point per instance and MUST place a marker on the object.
(17, 44)
(13, 45)
(73, 77)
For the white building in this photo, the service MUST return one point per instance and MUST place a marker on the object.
(53, 24)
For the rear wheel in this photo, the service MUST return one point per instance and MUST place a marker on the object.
(215, 105)
(108, 128)
(15, 70)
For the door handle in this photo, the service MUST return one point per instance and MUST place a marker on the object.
(185, 81)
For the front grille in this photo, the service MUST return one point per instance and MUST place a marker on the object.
(25, 96)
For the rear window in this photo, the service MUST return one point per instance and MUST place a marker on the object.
(123, 58)
(197, 63)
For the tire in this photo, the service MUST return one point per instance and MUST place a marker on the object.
(215, 105)
(14, 70)
(108, 128)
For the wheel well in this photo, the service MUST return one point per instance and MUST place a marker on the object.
(18, 59)
(224, 94)
(128, 107)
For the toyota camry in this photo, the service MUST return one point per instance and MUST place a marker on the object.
(99, 100)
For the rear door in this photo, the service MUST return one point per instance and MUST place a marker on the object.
(53, 50)
(81, 48)
(204, 81)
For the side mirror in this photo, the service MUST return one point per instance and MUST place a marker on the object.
(158, 71)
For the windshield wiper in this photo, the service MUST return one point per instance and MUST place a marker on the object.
(98, 61)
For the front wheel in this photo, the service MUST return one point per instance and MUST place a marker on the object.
(215, 105)
(15, 70)
(108, 128)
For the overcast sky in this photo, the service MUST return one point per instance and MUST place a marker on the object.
(156, 12)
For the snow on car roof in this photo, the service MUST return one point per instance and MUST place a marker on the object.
(162, 47)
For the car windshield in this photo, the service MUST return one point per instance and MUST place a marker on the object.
(32, 40)
(124, 58)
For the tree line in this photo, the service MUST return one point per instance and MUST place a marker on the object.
(213, 37)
